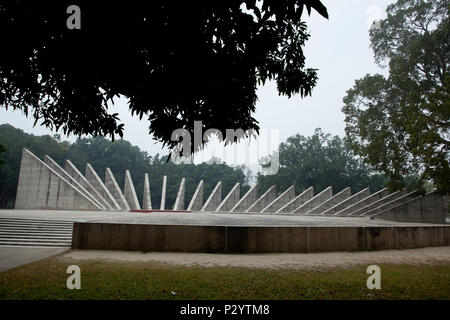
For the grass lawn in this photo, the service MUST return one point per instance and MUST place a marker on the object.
(46, 279)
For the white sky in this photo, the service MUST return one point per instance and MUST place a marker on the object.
(338, 47)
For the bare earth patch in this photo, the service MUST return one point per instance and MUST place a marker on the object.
(307, 261)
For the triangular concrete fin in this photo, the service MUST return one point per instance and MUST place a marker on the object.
(80, 178)
(197, 199)
(214, 198)
(130, 193)
(231, 199)
(146, 198)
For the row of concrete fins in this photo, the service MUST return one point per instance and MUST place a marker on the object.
(400, 205)
(68, 185)
(46, 185)
(379, 204)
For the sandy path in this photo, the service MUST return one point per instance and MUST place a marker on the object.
(436, 255)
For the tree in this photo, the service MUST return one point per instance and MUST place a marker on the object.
(175, 61)
(119, 156)
(320, 160)
(400, 124)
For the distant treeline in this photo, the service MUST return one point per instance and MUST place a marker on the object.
(320, 160)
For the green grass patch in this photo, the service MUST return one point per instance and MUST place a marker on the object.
(46, 279)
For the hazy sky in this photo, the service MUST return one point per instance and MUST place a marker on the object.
(338, 47)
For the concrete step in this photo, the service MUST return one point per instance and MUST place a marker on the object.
(36, 221)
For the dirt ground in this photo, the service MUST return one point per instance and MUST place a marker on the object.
(435, 255)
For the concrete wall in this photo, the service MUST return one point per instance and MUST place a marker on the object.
(216, 239)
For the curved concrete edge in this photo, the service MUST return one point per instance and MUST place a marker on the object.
(70, 168)
(197, 199)
(315, 201)
(280, 201)
(364, 193)
(214, 198)
(247, 200)
(240, 239)
(231, 199)
(179, 201)
(113, 187)
(266, 198)
(146, 197)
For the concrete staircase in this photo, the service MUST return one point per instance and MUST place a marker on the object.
(35, 233)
